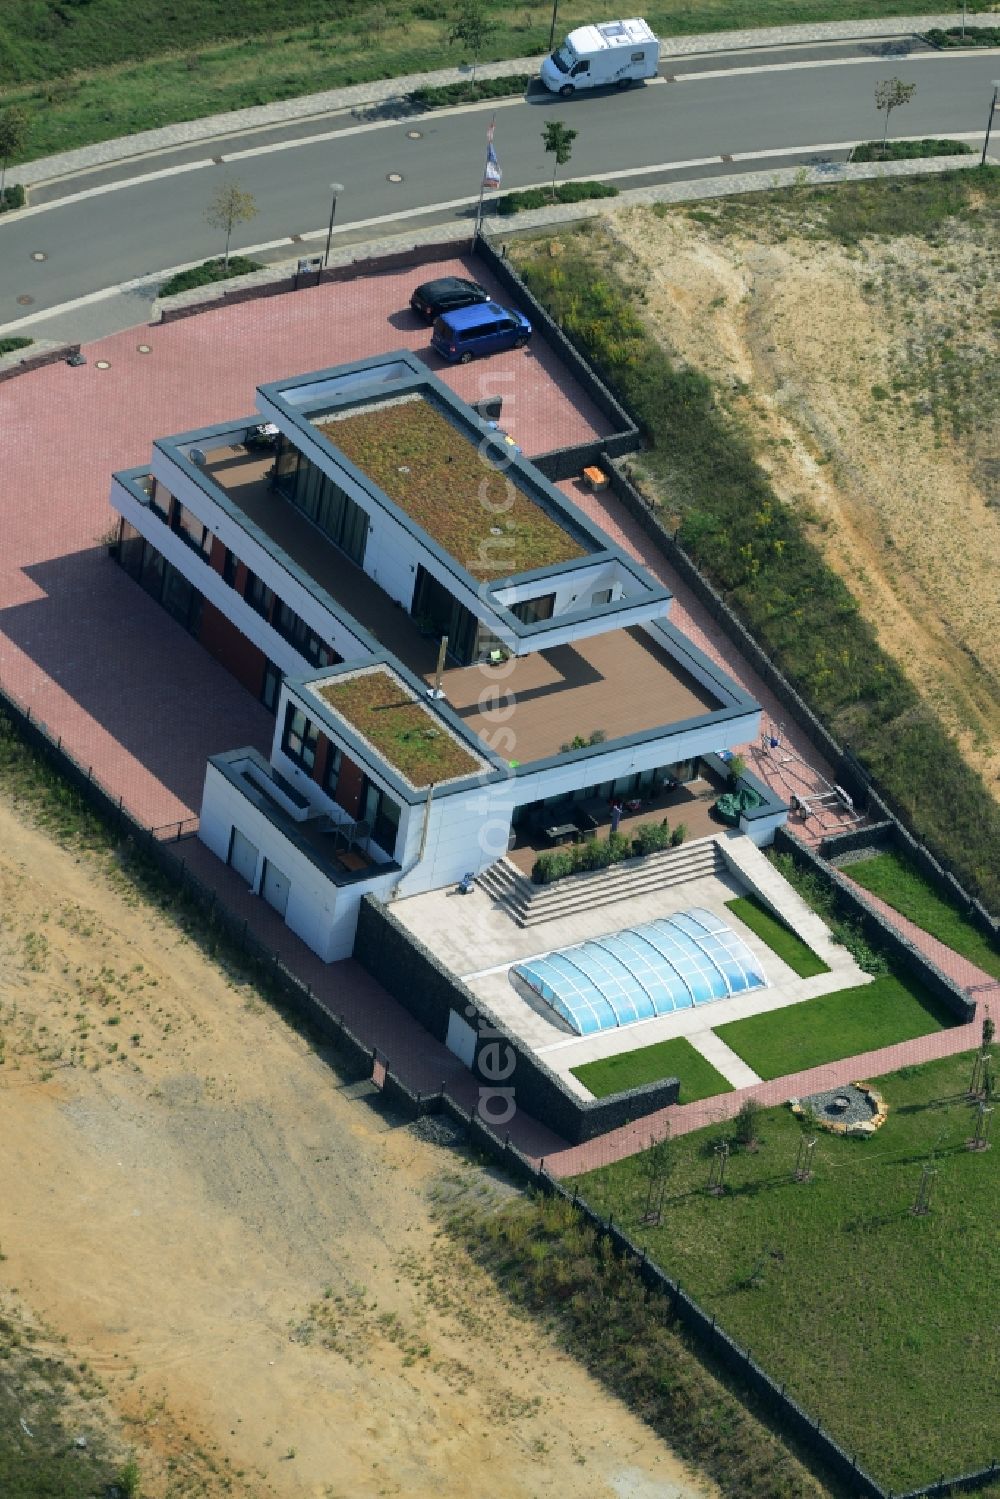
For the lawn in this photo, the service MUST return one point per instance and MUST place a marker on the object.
(843, 1024)
(881, 1323)
(155, 71)
(411, 739)
(896, 881)
(780, 939)
(630, 1069)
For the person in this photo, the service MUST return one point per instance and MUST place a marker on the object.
(616, 815)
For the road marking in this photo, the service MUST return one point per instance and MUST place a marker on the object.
(832, 62)
(152, 279)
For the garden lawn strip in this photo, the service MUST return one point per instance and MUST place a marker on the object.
(896, 881)
(843, 1024)
(631, 1069)
(780, 939)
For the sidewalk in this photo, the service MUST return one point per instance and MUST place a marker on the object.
(380, 91)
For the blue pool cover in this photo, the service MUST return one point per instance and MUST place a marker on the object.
(688, 959)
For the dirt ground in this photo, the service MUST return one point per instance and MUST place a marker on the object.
(867, 378)
(241, 1250)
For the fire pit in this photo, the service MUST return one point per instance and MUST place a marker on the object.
(855, 1109)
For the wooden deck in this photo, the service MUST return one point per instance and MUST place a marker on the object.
(690, 804)
(620, 683)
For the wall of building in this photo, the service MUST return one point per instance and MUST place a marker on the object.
(222, 639)
(321, 913)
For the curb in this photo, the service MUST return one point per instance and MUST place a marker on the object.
(419, 245)
(309, 106)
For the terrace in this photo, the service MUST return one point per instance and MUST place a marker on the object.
(429, 468)
(623, 682)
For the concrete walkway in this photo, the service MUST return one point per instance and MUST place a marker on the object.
(380, 91)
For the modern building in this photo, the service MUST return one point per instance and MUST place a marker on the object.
(454, 653)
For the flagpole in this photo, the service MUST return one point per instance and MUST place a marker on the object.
(482, 185)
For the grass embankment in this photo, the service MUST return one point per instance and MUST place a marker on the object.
(754, 547)
(45, 1403)
(208, 273)
(843, 1024)
(780, 939)
(895, 880)
(631, 1069)
(908, 150)
(547, 1263)
(871, 1316)
(157, 70)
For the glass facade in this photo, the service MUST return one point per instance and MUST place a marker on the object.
(322, 500)
(160, 579)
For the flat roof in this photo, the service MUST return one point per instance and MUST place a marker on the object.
(387, 714)
(475, 511)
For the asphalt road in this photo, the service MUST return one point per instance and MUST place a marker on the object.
(105, 228)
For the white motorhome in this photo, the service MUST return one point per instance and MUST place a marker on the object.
(611, 53)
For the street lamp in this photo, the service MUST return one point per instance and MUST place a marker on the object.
(552, 28)
(989, 122)
(336, 188)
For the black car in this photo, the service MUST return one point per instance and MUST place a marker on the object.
(435, 297)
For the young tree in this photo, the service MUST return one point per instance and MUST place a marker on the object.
(13, 134)
(473, 28)
(890, 93)
(230, 206)
(747, 1123)
(559, 140)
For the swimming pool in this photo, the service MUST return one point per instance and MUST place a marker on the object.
(673, 963)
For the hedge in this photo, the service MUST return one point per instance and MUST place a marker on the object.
(208, 273)
(12, 197)
(541, 197)
(908, 150)
(754, 549)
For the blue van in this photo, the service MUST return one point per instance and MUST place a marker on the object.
(485, 329)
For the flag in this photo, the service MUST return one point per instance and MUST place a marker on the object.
(492, 175)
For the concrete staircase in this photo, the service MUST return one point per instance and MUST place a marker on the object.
(529, 904)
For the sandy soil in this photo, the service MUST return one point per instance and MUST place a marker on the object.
(864, 378)
(241, 1248)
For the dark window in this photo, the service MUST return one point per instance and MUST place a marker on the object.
(603, 596)
(301, 734)
(382, 815)
(334, 761)
(151, 576)
(259, 596)
(581, 67)
(178, 595)
(229, 566)
(130, 550)
(326, 504)
(160, 501)
(191, 530)
(273, 678)
(530, 611)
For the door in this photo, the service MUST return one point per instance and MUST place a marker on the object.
(243, 857)
(461, 1039)
(275, 887)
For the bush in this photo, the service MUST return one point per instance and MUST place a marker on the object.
(975, 36)
(541, 197)
(678, 835)
(12, 197)
(747, 1123)
(908, 150)
(208, 273)
(552, 866)
(8, 345)
(468, 91)
(651, 837)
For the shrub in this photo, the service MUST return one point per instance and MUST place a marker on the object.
(9, 345)
(541, 197)
(678, 835)
(651, 837)
(208, 273)
(908, 150)
(468, 91)
(747, 1123)
(737, 768)
(554, 865)
(12, 197)
(974, 36)
(867, 958)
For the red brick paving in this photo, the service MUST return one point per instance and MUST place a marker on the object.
(80, 644)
